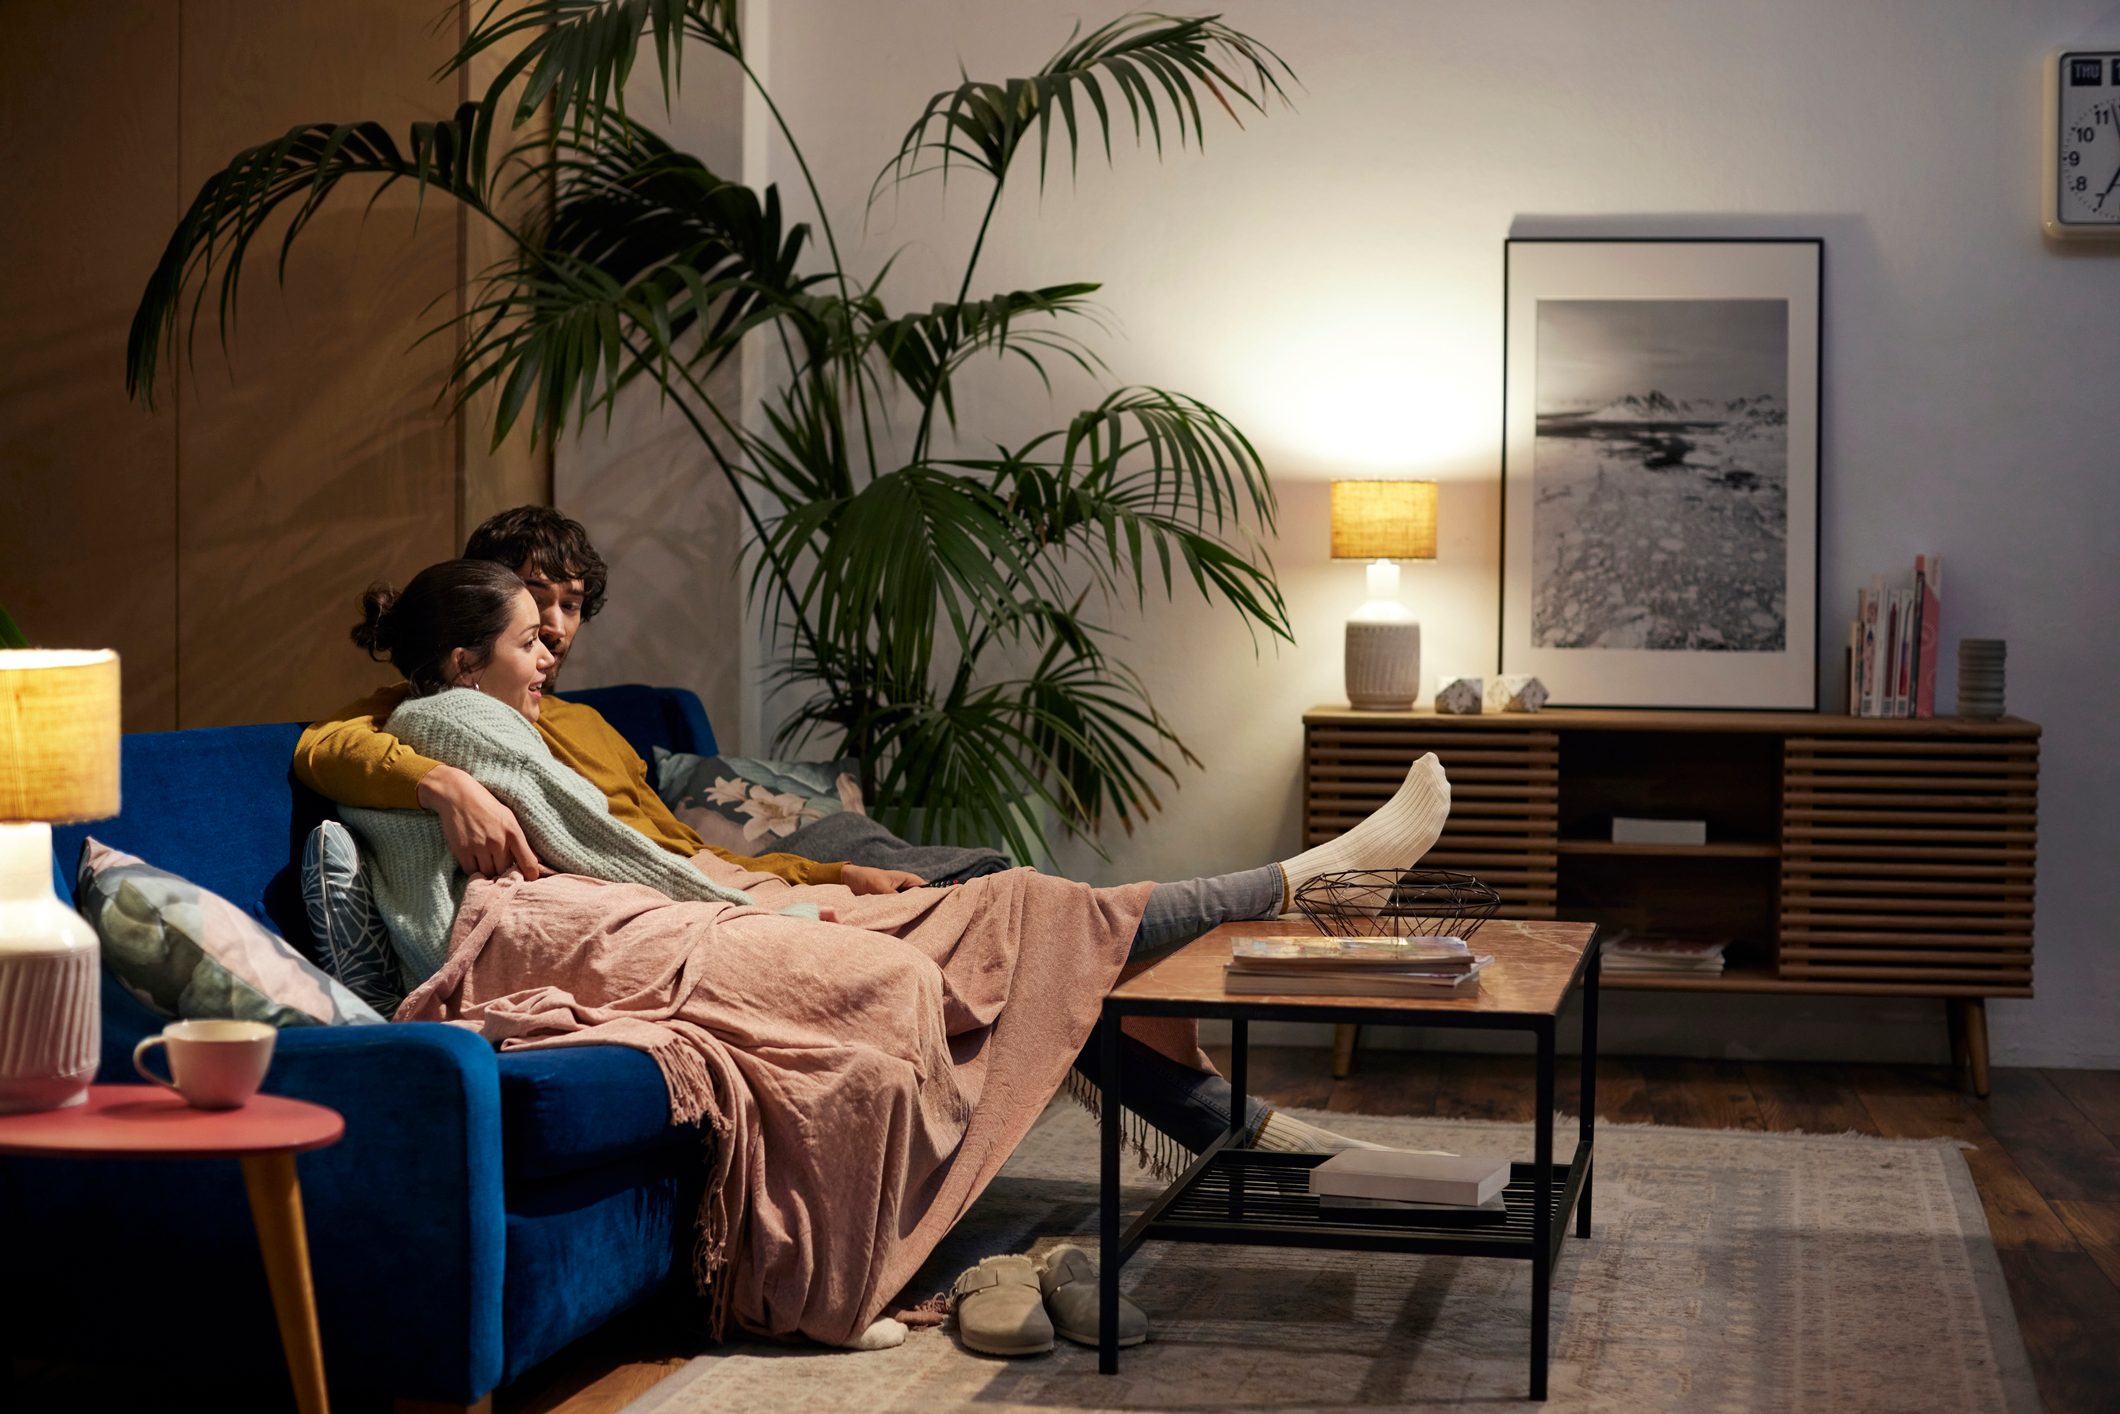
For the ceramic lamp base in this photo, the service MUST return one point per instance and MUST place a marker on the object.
(1383, 665)
(51, 1014)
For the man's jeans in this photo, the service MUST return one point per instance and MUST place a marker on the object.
(1191, 1106)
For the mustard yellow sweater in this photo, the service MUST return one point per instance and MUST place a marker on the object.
(349, 758)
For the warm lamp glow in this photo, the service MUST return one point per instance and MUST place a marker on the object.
(58, 736)
(1383, 520)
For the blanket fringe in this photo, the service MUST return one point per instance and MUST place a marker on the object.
(1164, 1157)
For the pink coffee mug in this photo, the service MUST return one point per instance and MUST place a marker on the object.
(214, 1065)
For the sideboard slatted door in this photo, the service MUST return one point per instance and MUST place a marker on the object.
(1910, 860)
(1504, 797)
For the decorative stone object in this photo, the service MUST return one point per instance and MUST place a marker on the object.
(1458, 697)
(1515, 692)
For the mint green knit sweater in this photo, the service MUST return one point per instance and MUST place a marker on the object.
(415, 879)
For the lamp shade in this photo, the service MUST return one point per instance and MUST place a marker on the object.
(58, 735)
(1383, 520)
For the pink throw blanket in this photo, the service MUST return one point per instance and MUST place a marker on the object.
(864, 1078)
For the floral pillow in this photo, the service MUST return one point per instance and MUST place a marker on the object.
(746, 806)
(186, 951)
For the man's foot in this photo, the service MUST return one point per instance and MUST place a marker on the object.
(1403, 829)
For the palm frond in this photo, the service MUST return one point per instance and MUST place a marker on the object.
(306, 165)
(926, 350)
(579, 53)
(10, 634)
(1156, 64)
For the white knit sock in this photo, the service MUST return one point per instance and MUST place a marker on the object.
(1284, 1133)
(1395, 837)
(882, 1334)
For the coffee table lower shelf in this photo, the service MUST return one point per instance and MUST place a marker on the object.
(1259, 1198)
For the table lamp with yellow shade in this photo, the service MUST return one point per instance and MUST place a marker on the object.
(58, 764)
(1383, 522)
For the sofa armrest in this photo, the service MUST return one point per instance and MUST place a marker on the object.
(406, 1215)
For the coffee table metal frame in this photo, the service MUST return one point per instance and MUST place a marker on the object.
(1256, 1198)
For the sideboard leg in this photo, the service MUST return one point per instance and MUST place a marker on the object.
(1973, 1017)
(1954, 1019)
(1343, 1038)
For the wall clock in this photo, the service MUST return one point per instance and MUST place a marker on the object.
(2082, 144)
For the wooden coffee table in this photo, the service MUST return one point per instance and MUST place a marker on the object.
(1233, 1194)
(144, 1122)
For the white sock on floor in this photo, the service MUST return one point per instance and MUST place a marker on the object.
(882, 1334)
(1284, 1133)
(1395, 837)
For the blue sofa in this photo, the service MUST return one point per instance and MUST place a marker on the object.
(482, 1211)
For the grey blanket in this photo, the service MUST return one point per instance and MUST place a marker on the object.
(857, 839)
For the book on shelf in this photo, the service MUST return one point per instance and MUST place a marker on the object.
(1373, 1208)
(1355, 981)
(1453, 1180)
(1928, 589)
(1633, 829)
(1309, 952)
(1636, 952)
(1892, 644)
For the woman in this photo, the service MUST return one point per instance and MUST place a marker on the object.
(885, 1052)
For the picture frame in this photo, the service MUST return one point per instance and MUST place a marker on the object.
(1660, 470)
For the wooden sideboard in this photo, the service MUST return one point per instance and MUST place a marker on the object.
(1845, 855)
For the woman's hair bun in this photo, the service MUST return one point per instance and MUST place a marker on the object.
(372, 633)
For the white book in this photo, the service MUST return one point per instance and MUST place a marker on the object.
(1330, 1201)
(1460, 1180)
(1873, 661)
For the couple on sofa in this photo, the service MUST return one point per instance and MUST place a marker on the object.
(867, 1051)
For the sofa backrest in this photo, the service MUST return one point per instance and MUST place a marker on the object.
(219, 806)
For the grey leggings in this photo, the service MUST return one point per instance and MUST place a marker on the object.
(1191, 1106)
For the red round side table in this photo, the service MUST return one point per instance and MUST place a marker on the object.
(142, 1122)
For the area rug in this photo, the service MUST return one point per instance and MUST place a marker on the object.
(1726, 1271)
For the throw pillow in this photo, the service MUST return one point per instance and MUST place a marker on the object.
(186, 951)
(747, 806)
(343, 916)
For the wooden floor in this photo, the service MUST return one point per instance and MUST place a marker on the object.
(2047, 1163)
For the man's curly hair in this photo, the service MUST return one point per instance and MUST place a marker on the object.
(549, 543)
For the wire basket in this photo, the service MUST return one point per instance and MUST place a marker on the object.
(1372, 903)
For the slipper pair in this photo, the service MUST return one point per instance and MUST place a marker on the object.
(1014, 1305)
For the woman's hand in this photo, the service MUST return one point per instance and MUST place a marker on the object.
(864, 880)
(482, 833)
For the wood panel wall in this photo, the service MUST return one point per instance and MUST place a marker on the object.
(220, 543)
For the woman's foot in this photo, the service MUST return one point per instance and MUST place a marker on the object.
(882, 1334)
(1403, 829)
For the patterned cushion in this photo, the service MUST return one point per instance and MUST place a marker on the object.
(186, 951)
(747, 806)
(344, 920)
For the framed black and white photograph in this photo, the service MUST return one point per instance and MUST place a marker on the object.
(1660, 411)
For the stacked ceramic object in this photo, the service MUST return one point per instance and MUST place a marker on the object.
(1980, 677)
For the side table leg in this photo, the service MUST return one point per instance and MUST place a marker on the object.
(1108, 1201)
(1587, 1120)
(1542, 1215)
(276, 1208)
(1976, 1041)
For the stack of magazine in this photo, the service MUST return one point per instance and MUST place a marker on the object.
(1663, 954)
(1307, 965)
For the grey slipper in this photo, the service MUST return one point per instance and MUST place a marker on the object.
(1000, 1308)
(1069, 1280)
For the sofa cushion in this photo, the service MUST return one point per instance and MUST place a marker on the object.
(186, 951)
(747, 806)
(342, 917)
(565, 1109)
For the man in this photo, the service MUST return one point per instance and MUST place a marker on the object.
(351, 759)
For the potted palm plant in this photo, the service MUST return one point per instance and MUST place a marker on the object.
(934, 613)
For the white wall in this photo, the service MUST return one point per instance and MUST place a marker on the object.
(1331, 279)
